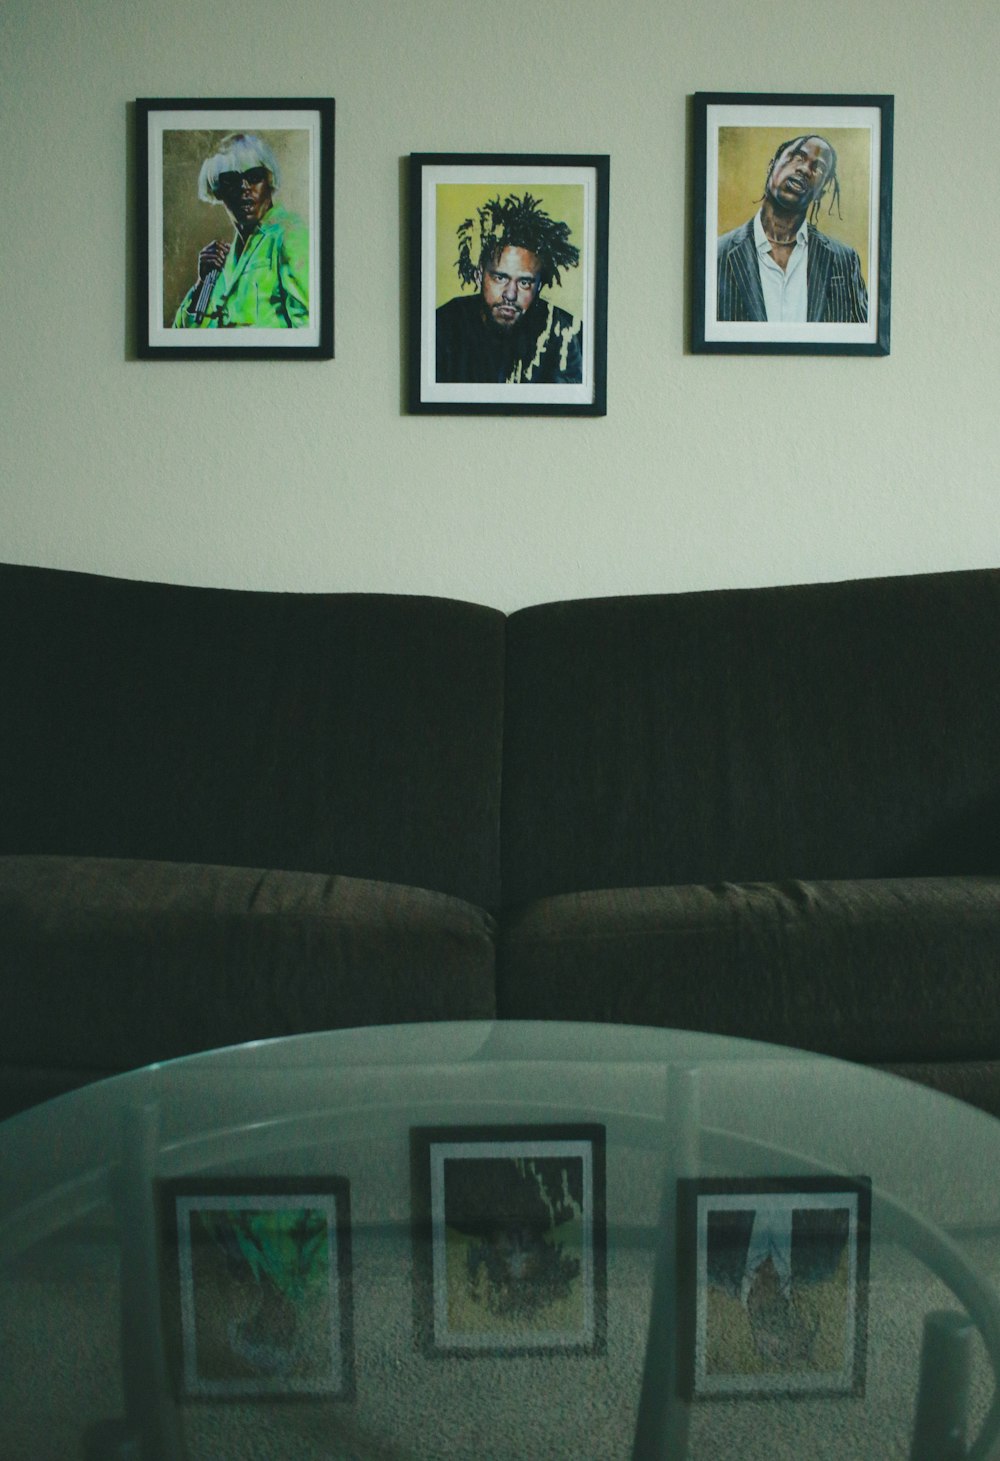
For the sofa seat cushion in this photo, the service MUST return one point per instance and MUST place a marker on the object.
(893, 971)
(113, 964)
(977, 1082)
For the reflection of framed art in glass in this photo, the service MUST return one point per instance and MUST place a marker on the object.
(509, 283)
(235, 229)
(509, 1239)
(257, 1287)
(773, 1286)
(792, 223)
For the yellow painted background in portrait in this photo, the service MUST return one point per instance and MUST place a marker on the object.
(189, 224)
(744, 153)
(563, 202)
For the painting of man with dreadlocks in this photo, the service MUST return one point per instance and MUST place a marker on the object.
(505, 332)
(509, 1239)
(779, 267)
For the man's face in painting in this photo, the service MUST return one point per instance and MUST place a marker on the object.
(799, 174)
(509, 286)
(247, 196)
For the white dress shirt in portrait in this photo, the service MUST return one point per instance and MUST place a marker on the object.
(785, 296)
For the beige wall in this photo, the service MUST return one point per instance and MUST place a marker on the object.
(707, 471)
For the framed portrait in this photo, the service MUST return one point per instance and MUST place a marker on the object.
(773, 1286)
(509, 1239)
(256, 1282)
(235, 229)
(509, 283)
(792, 244)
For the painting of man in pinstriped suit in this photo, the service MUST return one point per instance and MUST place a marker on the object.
(779, 268)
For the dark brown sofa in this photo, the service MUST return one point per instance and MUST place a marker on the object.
(231, 815)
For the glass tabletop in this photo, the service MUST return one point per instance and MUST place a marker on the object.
(500, 1240)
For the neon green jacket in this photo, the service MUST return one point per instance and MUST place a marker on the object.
(267, 286)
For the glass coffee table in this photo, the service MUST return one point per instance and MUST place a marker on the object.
(500, 1241)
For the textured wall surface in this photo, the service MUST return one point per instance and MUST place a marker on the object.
(706, 472)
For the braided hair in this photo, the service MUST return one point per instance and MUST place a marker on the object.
(514, 223)
(830, 182)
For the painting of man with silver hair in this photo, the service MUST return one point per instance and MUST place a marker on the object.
(257, 273)
(237, 225)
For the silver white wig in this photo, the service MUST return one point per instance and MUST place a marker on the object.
(238, 152)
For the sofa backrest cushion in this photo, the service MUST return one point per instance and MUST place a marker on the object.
(823, 731)
(343, 733)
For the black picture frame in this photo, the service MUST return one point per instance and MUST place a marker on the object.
(735, 137)
(504, 1263)
(772, 1285)
(457, 359)
(176, 218)
(256, 1287)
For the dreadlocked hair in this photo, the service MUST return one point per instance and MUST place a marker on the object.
(831, 183)
(515, 223)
